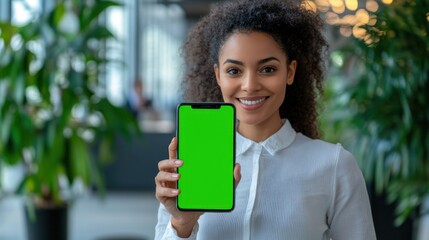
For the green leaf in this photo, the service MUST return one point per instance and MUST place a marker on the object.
(88, 17)
(24, 185)
(27, 127)
(58, 14)
(105, 153)
(115, 117)
(19, 88)
(6, 123)
(98, 178)
(51, 134)
(80, 159)
(57, 147)
(407, 116)
(100, 33)
(30, 31)
(39, 147)
(7, 31)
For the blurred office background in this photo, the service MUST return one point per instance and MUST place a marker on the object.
(360, 102)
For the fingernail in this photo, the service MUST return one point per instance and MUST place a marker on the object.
(178, 162)
(175, 191)
(174, 175)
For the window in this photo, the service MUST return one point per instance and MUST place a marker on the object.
(4, 10)
(150, 36)
(116, 77)
(162, 33)
(24, 10)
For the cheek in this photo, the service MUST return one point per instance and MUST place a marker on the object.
(227, 95)
(284, 91)
(278, 86)
(281, 91)
(226, 86)
(225, 90)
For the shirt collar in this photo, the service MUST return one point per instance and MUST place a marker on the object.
(276, 142)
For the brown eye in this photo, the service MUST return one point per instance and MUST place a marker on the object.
(268, 70)
(232, 71)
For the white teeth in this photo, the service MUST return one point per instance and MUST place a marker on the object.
(252, 102)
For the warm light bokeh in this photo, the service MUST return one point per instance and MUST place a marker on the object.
(336, 3)
(339, 9)
(358, 31)
(351, 5)
(346, 31)
(332, 18)
(349, 15)
(371, 6)
(362, 16)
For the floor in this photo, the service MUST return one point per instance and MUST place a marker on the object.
(118, 216)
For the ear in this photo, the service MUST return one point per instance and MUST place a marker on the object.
(291, 72)
(216, 71)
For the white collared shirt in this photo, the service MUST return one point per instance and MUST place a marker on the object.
(292, 187)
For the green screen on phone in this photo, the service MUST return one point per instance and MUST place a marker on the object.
(206, 144)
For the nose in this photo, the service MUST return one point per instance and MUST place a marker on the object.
(250, 83)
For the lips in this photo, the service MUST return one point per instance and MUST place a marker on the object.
(252, 101)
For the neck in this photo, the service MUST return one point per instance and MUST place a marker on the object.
(259, 132)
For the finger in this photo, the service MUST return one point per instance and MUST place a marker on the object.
(172, 148)
(169, 165)
(162, 192)
(166, 177)
(237, 173)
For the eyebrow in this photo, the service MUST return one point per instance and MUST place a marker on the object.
(259, 62)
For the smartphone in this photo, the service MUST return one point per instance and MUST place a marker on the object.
(206, 144)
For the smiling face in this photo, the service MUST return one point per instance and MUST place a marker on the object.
(253, 73)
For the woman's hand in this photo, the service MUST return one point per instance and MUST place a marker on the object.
(166, 191)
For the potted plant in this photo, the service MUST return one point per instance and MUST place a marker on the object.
(54, 111)
(385, 109)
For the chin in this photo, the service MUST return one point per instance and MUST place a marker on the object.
(248, 120)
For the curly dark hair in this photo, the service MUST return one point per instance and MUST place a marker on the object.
(297, 31)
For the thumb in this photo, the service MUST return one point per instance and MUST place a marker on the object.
(172, 149)
(237, 174)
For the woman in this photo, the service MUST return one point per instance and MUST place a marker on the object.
(266, 58)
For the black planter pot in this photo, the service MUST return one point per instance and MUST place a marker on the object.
(383, 215)
(47, 224)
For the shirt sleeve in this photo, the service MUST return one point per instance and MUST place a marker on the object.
(165, 231)
(350, 212)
